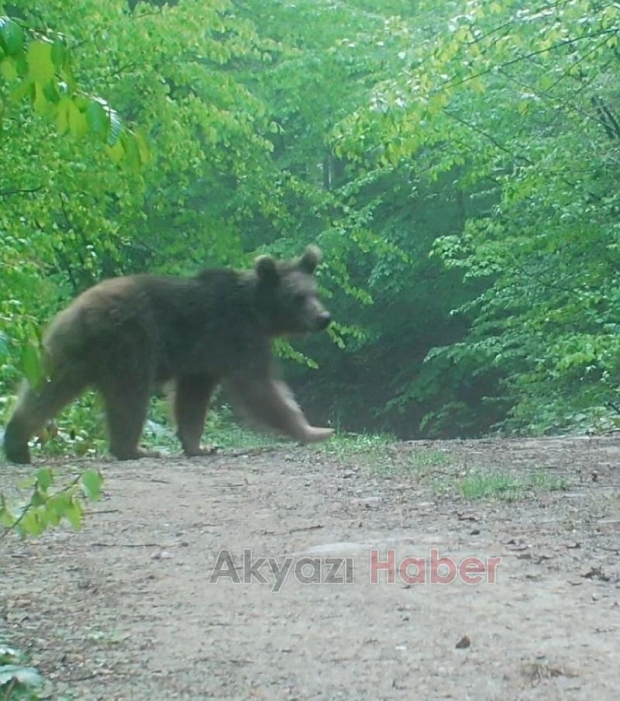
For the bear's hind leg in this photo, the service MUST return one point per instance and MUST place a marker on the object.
(35, 407)
(191, 402)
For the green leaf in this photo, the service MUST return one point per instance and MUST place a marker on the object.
(32, 365)
(11, 36)
(62, 114)
(143, 149)
(40, 61)
(78, 124)
(38, 497)
(24, 89)
(28, 676)
(60, 55)
(73, 513)
(51, 93)
(91, 482)
(45, 477)
(41, 105)
(115, 129)
(8, 655)
(8, 66)
(32, 524)
(97, 118)
(132, 152)
(4, 345)
(117, 152)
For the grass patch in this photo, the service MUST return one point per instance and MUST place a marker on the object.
(381, 456)
(417, 465)
(423, 462)
(481, 484)
(349, 447)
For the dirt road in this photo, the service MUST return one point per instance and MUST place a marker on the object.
(163, 595)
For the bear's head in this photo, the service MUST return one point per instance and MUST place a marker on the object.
(287, 294)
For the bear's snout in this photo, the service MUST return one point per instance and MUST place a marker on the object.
(324, 321)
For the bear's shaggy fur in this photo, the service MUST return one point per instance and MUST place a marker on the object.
(128, 336)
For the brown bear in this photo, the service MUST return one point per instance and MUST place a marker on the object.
(128, 336)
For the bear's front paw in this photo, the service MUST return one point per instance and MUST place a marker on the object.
(317, 435)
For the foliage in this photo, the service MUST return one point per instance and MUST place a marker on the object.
(40, 64)
(69, 216)
(377, 222)
(46, 507)
(18, 681)
(455, 161)
(542, 246)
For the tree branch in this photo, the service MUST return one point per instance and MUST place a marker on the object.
(16, 191)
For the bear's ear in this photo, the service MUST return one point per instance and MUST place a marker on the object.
(311, 258)
(266, 270)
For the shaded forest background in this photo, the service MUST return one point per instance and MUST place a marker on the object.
(457, 162)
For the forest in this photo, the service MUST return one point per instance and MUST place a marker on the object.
(454, 161)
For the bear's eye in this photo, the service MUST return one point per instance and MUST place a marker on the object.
(299, 299)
